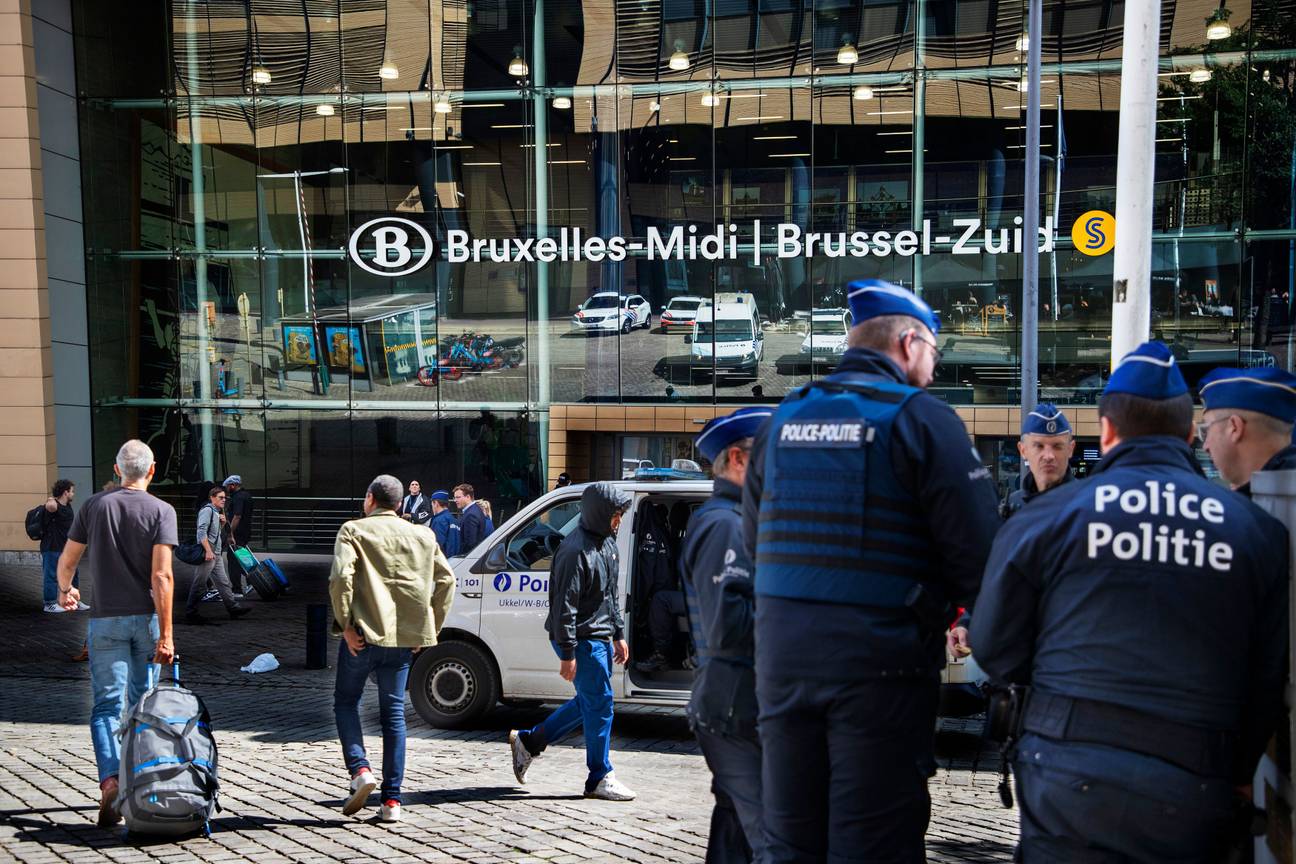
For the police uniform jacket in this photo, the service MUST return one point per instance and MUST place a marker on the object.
(718, 590)
(948, 500)
(1146, 587)
(1283, 460)
(1019, 498)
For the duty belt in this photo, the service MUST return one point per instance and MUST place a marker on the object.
(1204, 752)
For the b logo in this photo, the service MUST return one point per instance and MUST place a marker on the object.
(392, 254)
(503, 582)
(1094, 233)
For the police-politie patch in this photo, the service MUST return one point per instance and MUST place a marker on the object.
(825, 433)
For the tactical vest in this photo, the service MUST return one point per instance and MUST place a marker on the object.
(835, 523)
(691, 601)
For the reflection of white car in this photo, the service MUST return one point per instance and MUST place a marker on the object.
(826, 341)
(727, 339)
(680, 312)
(603, 313)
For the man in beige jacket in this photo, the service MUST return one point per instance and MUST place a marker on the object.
(391, 588)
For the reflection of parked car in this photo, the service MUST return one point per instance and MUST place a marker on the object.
(680, 312)
(826, 341)
(602, 313)
(727, 338)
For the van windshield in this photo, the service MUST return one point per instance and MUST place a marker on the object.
(724, 331)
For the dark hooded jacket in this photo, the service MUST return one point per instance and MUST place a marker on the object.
(583, 579)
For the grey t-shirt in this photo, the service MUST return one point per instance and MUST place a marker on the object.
(120, 529)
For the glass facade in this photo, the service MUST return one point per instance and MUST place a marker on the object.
(720, 168)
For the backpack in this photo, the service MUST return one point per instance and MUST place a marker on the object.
(168, 784)
(35, 523)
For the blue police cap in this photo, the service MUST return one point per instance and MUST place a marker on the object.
(869, 298)
(1045, 419)
(1266, 390)
(719, 433)
(439, 495)
(1148, 371)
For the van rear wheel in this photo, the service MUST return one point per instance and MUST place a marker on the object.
(453, 684)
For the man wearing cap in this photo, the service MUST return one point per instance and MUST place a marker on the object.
(1140, 723)
(1247, 425)
(869, 517)
(238, 510)
(1046, 446)
(443, 523)
(718, 594)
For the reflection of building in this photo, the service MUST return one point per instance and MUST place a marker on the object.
(230, 151)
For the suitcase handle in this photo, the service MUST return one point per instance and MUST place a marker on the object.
(155, 673)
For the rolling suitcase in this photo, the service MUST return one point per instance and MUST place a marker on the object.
(264, 576)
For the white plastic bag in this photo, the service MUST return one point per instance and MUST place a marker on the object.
(262, 663)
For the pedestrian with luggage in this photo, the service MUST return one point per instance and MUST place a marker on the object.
(211, 535)
(238, 514)
(127, 535)
(588, 634)
(391, 589)
(56, 520)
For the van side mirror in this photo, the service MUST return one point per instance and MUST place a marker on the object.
(760, 336)
(495, 559)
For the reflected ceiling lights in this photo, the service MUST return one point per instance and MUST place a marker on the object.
(562, 102)
(388, 70)
(324, 109)
(1199, 76)
(710, 99)
(1023, 44)
(261, 75)
(862, 93)
(846, 54)
(679, 61)
(442, 104)
(654, 106)
(1217, 26)
(517, 66)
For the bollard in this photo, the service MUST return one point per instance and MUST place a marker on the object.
(317, 617)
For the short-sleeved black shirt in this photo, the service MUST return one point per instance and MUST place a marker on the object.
(119, 529)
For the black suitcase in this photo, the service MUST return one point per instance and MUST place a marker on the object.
(264, 576)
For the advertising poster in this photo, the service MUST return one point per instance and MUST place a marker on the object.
(344, 348)
(400, 347)
(299, 345)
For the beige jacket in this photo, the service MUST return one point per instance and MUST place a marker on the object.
(391, 580)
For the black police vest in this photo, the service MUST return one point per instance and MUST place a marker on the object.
(835, 523)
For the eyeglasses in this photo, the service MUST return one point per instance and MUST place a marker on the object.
(935, 348)
(1203, 429)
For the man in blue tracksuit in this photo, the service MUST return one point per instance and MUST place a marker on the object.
(869, 516)
(718, 595)
(1248, 421)
(443, 523)
(1140, 721)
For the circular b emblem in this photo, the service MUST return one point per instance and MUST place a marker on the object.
(503, 582)
(399, 246)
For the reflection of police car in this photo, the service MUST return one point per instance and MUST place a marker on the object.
(680, 313)
(493, 646)
(608, 312)
(826, 340)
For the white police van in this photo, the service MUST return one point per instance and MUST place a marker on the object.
(493, 646)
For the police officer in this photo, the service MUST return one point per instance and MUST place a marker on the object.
(1139, 721)
(1248, 422)
(719, 598)
(1046, 446)
(867, 515)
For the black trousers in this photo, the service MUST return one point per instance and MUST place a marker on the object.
(845, 765)
(663, 612)
(737, 835)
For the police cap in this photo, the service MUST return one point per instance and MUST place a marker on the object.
(439, 495)
(1148, 371)
(1045, 419)
(1267, 390)
(871, 298)
(719, 433)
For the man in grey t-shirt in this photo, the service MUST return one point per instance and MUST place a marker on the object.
(125, 536)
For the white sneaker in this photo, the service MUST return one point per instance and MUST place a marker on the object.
(611, 789)
(522, 757)
(390, 812)
(81, 607)
(362, 786)
(54, 607)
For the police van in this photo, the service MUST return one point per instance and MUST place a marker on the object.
(493, 646)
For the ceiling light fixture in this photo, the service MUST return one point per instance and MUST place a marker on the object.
(862, 93)
(261, 75)
(388, 71)
(517, 66)
(654, 106)
(442, 104)
(324, 109)
(1199, 76)
(1023, 44)
(1217, 26)
(679, 61)
(562, 102)
(846, 54)
(709, 99)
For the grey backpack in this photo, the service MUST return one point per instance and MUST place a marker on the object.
(168, 783)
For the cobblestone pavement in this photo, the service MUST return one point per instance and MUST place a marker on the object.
(282, 777)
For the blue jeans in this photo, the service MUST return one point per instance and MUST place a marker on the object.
(390, 668)
(49, 570)
(590, 708)
(121, 649)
